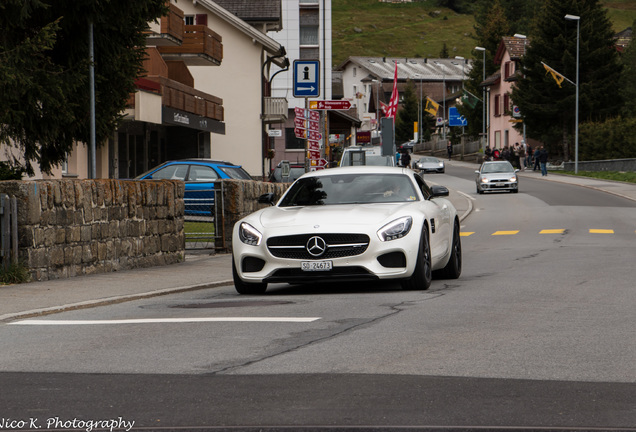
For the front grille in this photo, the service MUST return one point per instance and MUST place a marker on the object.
(337, 274)
(338, 246)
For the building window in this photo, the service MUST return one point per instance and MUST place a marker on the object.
(506, 104)
(309, 35)
(292, 142)
(497, 107)
(355, 71)
(189, 19)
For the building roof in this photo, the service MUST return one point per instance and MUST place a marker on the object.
(267, 12)
(439, 69)
(515, 46)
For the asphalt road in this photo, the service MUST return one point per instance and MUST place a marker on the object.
(536, 334)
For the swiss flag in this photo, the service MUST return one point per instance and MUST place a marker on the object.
(393, 103)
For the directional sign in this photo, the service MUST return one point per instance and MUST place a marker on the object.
(313, 154)
(313, 145)
(306, 78)
(300, 133)
(454, 119)
(307, 114)
(306, 124)
(313, 135)
(330, 105)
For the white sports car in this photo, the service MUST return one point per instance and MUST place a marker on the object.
(351, 223)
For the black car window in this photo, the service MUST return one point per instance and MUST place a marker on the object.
(236, 173)
(426, 190)
(201, 173)
(170, 172)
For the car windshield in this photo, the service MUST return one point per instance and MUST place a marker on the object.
(350, 189)
(429, 160)
(499, 167)
(236, 173)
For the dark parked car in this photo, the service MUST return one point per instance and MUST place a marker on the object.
(199, 176)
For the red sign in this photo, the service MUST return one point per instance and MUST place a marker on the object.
(313, 154)
(322, 162)
(313, 145)
(300, 133)
(330, 105)
(307, 114)
(363, 137)
(316, 136)
(300, 122)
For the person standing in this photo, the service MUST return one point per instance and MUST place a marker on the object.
(543, 159)
(521, 152)
(537, 153)
(488, 153)
(406, 159)
(449, 150)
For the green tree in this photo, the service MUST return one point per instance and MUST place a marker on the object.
(44, 72)
(549, 110)
(444, 52)
(628, 78)
(406, 115)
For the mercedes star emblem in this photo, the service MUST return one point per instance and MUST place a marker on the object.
(316, 246)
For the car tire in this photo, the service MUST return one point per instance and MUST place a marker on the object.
(423, 274)
(515, 190)
(246, 287)
(454, 266)
(479, 191)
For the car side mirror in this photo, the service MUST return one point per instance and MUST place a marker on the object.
(267, 198)
(516, 170)
(476, 171)
(439, 191)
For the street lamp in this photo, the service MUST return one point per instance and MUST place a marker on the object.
(576, 111)
(483, 94)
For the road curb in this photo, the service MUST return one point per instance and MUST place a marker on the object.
(108, 301)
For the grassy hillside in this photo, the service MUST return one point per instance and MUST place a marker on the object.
(419, 29)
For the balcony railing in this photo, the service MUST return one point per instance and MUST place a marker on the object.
(169, 31)
(275, 110)
(201, 46)
(185, 98)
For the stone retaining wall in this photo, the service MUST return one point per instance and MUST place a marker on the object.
(241, 198)
(74, 227)
(627, 165)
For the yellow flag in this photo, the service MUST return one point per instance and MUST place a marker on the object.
(557, 76)
(431, 106)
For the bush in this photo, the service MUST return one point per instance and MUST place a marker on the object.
(7, 172)
(612, 139)
(16, 273)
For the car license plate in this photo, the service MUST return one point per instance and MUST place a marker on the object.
(316, 265)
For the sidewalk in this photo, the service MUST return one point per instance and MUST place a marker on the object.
(199, 270)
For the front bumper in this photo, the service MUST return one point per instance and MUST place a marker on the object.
(499, 186)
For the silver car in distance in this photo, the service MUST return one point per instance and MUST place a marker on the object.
(359, 223)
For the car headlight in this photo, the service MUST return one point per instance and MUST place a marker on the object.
(396, 229)
(484, 180)
(513, 179)
(249, 235)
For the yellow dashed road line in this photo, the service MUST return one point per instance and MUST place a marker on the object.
(601, 231)
(552, 231)
(505, 232)
(466, 234)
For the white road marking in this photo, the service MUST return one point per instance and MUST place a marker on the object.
(42, 322)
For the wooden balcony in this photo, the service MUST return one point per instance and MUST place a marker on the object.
(275, 110)
(201, 46)
(185, 98)
(169, 31)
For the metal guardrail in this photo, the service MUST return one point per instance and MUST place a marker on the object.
(8, 230)
(204, 217)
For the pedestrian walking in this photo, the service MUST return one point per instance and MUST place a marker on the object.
(543, 159)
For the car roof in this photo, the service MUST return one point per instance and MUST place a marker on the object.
(202, 160)
(359, 169)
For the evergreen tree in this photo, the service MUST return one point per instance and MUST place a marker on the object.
(628, 79)
(549, 110)
(406, 115)
(44, 71)
(444, 52)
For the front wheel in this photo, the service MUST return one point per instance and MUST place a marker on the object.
(423, 274)
(454, 266)
(246, 287)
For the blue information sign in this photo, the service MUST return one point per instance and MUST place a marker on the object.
(306, 78)
(454, 119)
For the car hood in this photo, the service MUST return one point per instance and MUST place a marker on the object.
(356, 215)
(505, 175)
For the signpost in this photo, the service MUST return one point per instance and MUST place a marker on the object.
(306, 78)
(454, 119)
(330, 105)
